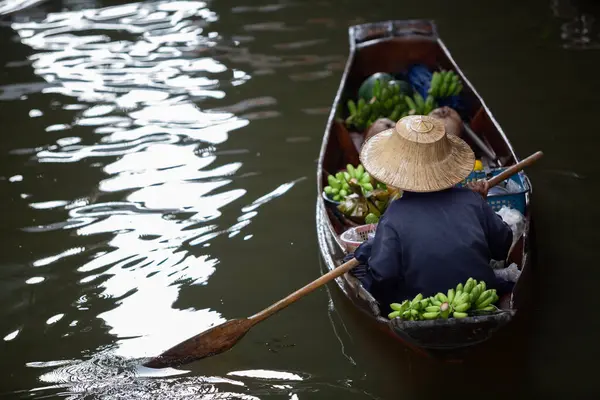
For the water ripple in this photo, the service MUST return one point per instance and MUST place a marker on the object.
(109, 376)
(128, 178)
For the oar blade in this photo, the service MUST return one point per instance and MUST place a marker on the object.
(216, 340)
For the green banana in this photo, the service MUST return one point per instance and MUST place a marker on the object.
(457, 300)
(482, 283)
(431, 315)
(442, 297)
(436, 302)
(435, 83)
(459, 88)
(484, 296)
(448, 76)
(350, 169)
(485, 303)
(462, 307)
(469, 285)
(429, 105)
(475, 293)
(464, 298)
(389, 104)
(377, 88)
(420, 103)
(489, 308)
(443, 89)
(385, 94)
(394, 314)
(411, 104)
(432, 309)
(360, 170)
(457, 296)
(352, 107)
(457, 314)
(452, 88)
(361, 104)
(451, 295)
(395, 115)
(459, 287)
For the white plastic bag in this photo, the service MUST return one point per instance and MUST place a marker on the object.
(514, 219)
(513, 187)
(510, 274)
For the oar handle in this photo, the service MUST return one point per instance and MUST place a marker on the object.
(515, 168)
(298, 294)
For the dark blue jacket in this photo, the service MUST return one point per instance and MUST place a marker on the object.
(430, 242)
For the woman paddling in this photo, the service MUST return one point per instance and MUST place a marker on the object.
(436, 235)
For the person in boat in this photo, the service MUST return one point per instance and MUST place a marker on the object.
(436, 235)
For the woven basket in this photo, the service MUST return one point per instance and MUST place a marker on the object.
(353, 237)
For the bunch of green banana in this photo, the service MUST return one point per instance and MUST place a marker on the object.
(484, 299)
(444, 84)
(420, 106)
(472, 295)
(410, 310)
(339, 184)
(387, 102)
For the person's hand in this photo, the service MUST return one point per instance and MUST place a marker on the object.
(480, 187)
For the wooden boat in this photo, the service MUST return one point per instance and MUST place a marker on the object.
(386, 47)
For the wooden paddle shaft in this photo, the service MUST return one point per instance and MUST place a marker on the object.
(298, 294)
(515, 168)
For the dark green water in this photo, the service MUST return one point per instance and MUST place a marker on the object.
(157, 176)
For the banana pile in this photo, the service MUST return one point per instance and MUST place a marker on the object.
(387, 102)
(420, 106)
(472, 296)
(339, 184)
(444, 84)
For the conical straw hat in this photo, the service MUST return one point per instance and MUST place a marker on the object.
(417, 156)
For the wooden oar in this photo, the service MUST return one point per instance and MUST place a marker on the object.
(224, 336)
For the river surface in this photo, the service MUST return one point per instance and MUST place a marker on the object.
(157, 176)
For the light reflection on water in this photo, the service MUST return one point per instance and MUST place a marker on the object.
(133, 78)
(120, 378)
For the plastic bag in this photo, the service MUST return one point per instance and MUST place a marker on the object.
(513, 187)
(510, 274)
(514, 219)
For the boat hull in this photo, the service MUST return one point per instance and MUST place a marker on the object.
(440, 338)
